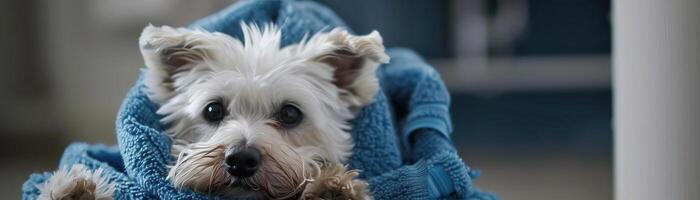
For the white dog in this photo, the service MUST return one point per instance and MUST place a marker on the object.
(253, 119)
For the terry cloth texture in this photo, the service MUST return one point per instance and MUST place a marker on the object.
(402, 145)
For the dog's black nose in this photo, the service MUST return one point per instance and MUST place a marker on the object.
(243, 162)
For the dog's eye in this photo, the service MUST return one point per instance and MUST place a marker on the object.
(289, 116)
(214, 112)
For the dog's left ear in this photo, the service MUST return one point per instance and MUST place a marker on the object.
(169, 54)
(354, 61)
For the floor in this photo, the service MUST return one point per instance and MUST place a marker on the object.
(539, 176)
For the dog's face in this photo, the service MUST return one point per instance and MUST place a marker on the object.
(252, 118)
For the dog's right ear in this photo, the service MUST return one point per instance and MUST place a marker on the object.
(166, 52)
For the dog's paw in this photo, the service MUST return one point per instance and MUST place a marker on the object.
(336, 182)
(76, 183)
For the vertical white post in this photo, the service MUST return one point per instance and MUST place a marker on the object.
(657, 99)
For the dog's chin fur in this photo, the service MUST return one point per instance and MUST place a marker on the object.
(327, 76)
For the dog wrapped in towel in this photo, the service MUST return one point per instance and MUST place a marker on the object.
(400, 146)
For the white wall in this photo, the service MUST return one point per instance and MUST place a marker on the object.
(657, 99)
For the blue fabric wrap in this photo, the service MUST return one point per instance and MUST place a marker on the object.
(419, 162)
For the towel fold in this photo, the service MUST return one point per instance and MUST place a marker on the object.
(402, 144)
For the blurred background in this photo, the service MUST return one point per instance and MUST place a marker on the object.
(530, 81)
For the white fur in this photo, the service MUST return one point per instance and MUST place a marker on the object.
(64, 180)
(254, 78)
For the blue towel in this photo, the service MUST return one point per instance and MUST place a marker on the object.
(402, 139)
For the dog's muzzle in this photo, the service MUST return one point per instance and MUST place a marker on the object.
(242, 162)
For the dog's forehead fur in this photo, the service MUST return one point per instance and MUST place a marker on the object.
(259, 56)
(256, 73)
